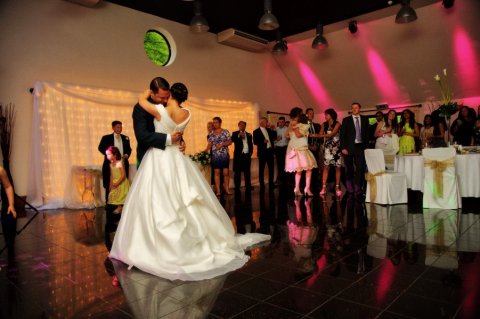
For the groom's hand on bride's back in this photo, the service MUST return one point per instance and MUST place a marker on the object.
(177, 138)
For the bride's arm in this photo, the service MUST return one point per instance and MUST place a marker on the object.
(147, 106)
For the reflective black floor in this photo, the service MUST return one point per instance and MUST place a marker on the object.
(329, 258)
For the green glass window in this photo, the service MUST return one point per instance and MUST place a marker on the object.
(158, 48)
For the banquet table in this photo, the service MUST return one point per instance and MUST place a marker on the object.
(467, 168)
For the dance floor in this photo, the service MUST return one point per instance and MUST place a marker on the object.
(332, 258)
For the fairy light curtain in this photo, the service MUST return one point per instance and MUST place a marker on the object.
(69, 120)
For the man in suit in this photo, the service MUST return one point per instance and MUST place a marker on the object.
(264, 137)
(120, 141)
(242, 154)
(315, 146)
(353, 142)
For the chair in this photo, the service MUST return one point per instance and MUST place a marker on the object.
(440, 186)
(385, 188)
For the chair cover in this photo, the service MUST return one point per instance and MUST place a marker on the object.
(440, 184)
(384, 187)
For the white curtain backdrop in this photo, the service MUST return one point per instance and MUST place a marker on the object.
(69, 121)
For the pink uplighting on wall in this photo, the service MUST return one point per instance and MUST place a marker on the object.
(315, 86)
(384, 80)
(466, 62)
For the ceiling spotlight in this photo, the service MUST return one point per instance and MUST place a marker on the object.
(280, 47)
(198, 24)
(352, 26)
(448, 3)
(268, 21)
(406, 13)
(319, 42)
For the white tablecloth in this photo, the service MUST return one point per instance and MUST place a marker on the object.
(84, 187)
(467, 167)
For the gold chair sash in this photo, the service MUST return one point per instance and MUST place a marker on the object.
(372, 180)
(438, 168)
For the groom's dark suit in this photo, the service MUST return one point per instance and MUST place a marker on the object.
(145, 132)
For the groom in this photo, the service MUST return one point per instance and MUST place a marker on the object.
(143, 122)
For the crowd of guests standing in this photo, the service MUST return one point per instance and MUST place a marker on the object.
(319, 153)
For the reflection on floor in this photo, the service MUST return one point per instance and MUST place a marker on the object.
(329, 258)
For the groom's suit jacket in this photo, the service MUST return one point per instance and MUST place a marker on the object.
(145, 132)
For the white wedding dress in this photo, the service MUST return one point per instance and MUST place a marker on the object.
(172, 224)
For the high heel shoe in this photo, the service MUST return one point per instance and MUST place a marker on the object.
(297, 193)
(324, 190)
(338, 191)
(307, 192)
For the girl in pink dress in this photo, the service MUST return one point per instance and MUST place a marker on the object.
(299, 158)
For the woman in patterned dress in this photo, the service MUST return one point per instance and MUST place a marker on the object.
(331, 151)
(218, 141)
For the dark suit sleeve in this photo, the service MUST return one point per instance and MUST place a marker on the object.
(343, 137)
(256, 139)
(235, 137)
(127, 149)
(102, 147)
(142, 134)
(250, 143)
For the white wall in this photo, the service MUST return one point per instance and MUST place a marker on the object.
(411, 53)
(61, 41)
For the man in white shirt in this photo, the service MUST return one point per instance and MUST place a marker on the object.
(264, 137)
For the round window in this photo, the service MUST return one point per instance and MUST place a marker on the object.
(159, 47)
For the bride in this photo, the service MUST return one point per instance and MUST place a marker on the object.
(172, 224)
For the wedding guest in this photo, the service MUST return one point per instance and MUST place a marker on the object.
(218, 142)
(315, 146)
(281, 149)
(407, 131)
(476, 129)
(426, 132)
(462, 128)
(242, 154)
(120, 141)
(299, 157)
(353, 142)
(439, 126)
(379, 117)
(9, 215)
(264, 137)
(331, 154)
(119, 183)
(387, 138)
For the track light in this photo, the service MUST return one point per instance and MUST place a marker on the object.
(268, 21)
(198, 24)
(280, 47)
(319, 41)
(448, 3)
(352, 26)
(406, 13)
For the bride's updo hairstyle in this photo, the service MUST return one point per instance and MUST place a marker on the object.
(179, 92)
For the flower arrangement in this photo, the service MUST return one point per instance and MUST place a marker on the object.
(448, 108)
(202, 158)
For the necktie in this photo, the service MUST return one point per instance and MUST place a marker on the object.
(358, 135)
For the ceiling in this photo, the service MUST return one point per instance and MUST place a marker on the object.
(294, 17)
